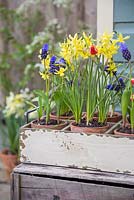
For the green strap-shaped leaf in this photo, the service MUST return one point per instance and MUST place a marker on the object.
(132, 117)
(125, 100)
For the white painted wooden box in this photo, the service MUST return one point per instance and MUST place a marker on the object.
(104, 152)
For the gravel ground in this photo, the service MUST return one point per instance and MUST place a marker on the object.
(4, 186)
(4, 191)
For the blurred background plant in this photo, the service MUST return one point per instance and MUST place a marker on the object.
(24, 29)
(13, 118)
(10, 135)
(16, 104)
(25, 25)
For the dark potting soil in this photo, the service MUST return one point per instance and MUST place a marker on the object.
(125, 130)
(43, 122)
(114, 115)
(93, 123)
(68, 114)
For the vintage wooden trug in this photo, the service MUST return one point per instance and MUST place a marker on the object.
(105, 152)
(61, 165)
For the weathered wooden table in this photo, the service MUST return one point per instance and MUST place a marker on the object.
(43, 182)
(64, 165)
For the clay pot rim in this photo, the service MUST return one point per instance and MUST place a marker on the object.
(9, 153)
(61, 117)
(118, 133)
(45, 126)
(115, 114)
(89, 130)
(74, 124)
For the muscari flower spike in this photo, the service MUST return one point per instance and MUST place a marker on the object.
(116, 87)
(52, 60)
(44, 51)
(121, 82)
(62, 62)
(125, 52)
(113, 87)
(53, 68)
(110, 86)
(57, 66)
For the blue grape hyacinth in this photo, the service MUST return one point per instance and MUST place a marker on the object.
(125, 52)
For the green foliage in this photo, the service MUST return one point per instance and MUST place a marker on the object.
(74, 96)
(61, 107)
(132, 117)
(91, 96)
(125, 101)
(41, 102)
(10, 134)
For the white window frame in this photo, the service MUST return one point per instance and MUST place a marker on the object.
(104, 16)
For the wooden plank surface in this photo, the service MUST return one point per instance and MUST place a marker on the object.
(70, 173)
(42, 188)
(15, 187)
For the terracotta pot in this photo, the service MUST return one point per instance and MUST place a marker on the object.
(62, 117)
(117, 132)
(115, 118)
(88, 130)
(9, 161)
(59, 126)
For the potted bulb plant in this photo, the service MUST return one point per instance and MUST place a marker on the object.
(127, 99)
(52, 73)
(83, 78)
(90, 68)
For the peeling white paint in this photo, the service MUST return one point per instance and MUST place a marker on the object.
(103, 152)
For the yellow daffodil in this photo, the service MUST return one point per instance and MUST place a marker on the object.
(120, 38)
(107, 46)
(75, 47)
(112, 68)
(87, 39)
(45, 76)
(61, 71)
(66, 51)
(106, 37)
(46, 62)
